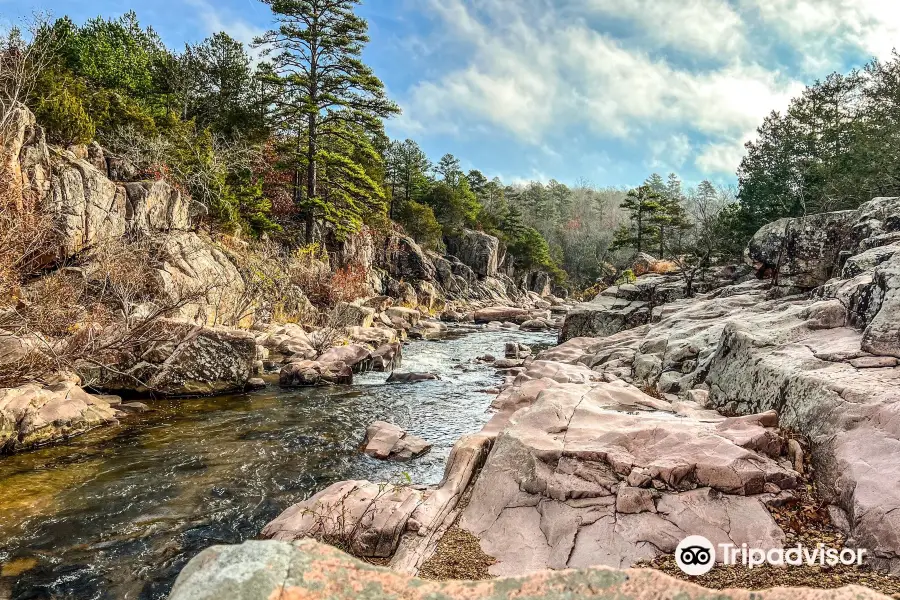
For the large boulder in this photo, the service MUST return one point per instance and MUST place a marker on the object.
(192, 267)
(603, 316)
(882, 333)
(85, 206)
(352, 315)
(305, 373)
(25, 157)
(366, 517)
(181, 359)
(262, 570)
(355, 356)
(404, 259)
(802, 252)
(33, 414)
(156, 206)
(477, 250)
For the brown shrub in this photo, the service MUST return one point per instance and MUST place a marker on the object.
(663, 267)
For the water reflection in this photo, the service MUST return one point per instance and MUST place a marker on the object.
(117, 513)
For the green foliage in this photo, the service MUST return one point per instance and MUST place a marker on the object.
(642, 204)
(419, 221)
(835, 147)
(219, 86)
(248, 208)
(627, 276)
(406, 168)
(59, 106)
(454, 206)
(114, 54)
(531, 249)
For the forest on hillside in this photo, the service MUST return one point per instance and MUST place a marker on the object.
(284, 136)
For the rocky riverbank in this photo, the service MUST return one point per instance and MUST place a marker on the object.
(709, 415)
(137, 298)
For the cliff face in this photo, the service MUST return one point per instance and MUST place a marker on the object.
(88, 206)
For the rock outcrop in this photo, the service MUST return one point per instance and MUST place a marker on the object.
(258, 570)
(604, 474)
(628, 305)
(477, 250)
(32, 415)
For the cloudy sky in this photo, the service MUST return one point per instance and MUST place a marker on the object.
(601, 90)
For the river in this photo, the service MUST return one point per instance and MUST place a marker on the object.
(117, 513)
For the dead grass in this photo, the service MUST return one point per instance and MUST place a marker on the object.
(458, 556)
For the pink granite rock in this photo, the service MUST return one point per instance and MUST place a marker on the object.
(367, 517)
(566, 484)
(32, 414)
(388, 441)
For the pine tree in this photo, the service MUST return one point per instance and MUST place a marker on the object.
(671, 219)
(448, 169)
(642, 204)
(328, 93)
(219, 80)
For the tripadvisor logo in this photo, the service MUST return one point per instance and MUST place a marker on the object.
(696, 555)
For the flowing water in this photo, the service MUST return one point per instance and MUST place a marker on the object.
(118, 512)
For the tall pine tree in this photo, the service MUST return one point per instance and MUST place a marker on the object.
(328, 94)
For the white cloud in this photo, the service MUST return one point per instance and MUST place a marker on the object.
(722, 157)
(215, 20)
(670, 153)
(821, 29)
(705, 27)
(531, 70)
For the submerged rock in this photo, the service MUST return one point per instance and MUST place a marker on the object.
(310, 372)
(411, 377)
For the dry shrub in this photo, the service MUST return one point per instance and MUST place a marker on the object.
(349, 283)
(663, 267)
(310, 272)
(90, 315)
(25, 237)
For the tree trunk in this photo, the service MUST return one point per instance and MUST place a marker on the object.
(640, 229)
(311, 175)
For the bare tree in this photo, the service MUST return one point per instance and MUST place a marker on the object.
(25, 52)
(695, 251)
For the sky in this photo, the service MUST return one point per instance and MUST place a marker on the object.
(596, 91)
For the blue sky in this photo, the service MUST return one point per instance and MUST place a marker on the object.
(605, 91)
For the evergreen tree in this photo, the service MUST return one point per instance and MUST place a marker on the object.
(328, 93)
(219, 82)
(670, 219)
(642, 204)
(448, 170)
